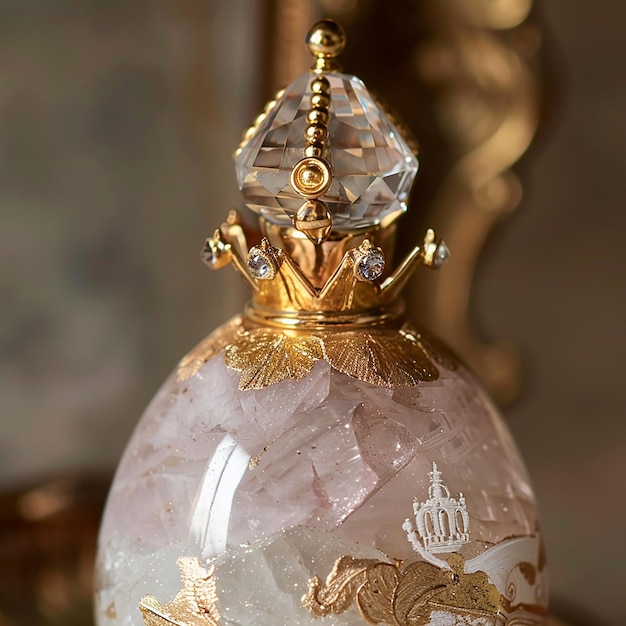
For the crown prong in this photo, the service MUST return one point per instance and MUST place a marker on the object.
(233, 233)
(436, 252)
(432, 254)
(339, 287)
(224, 248)
(357, 265)
(217, 252)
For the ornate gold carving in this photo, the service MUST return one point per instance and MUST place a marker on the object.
(385, 358)
(388, 357)
(479, 64)
(291, 292)
(265, 356)
(405, 595)
(195, 604)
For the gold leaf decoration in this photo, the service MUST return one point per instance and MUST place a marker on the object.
(195, 604)
(265, 356)
(398, 595)
(384, 358)
(191, 363)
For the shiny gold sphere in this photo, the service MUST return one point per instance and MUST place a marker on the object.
(321, 85)
(316, 133)
(317, 116)
(320, 101)
(326, 39)
(314, 150)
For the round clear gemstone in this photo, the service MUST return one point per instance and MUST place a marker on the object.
(442, 254)
(259, 266)
(371, 265)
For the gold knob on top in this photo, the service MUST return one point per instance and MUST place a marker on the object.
(326, 39)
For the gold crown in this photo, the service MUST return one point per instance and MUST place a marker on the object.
(328, 172)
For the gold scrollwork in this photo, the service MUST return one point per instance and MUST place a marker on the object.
(401, 595)
(195, 604)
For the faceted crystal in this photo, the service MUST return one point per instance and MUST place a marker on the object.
(442, 255)
(259, 266)
(371, 266)
(372, 165)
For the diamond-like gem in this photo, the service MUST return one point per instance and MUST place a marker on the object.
(259, 266)
(442, 254)
(372, 166)
(371, 265)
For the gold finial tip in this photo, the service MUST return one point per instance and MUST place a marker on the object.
(326, 39)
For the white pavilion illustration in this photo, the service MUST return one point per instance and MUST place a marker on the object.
(442, 522)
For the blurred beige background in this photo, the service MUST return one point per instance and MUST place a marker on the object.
(117, 121)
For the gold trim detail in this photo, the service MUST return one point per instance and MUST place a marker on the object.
(311, 177)
(265, 357)
(291, 291)
(326, 40)
(386, 357)
(405, 595)
(195, 604)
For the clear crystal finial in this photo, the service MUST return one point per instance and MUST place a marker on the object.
(372, 165)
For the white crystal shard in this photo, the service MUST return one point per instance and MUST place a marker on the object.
(373, 167)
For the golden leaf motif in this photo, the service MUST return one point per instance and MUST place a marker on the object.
(392, 594)
(384, 358)
(195, 604)
(265, 357)
(191, 363)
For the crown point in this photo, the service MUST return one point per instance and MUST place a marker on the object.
(326, 39)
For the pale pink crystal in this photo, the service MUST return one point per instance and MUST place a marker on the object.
(212, 470)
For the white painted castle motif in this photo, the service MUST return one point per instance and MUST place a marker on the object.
(442, 521)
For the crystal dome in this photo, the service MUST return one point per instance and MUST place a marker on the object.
(373, 167)
(273, 487)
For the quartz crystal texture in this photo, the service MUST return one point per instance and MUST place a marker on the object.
(273, 486)
(372, 165)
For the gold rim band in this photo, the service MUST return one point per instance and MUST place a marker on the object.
(324, 320)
